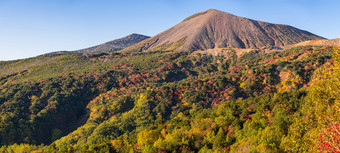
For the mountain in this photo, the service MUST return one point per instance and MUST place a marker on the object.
(216, 29)
(114, 45)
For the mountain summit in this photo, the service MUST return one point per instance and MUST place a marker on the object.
(216, 29)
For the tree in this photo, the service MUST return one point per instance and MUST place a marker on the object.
(147, 137)
(219, 141)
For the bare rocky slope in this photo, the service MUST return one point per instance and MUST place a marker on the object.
(216, 29)
(114, 45)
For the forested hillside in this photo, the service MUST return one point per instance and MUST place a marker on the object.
(165, 101)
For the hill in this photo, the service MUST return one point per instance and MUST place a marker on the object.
(114, 45)
(216, 29)
(319, 42)
(110, 46)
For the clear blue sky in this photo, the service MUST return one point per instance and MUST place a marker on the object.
(33, 27)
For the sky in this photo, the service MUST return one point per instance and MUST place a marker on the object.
(34, 27)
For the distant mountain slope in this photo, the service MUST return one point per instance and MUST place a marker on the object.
(319, 42)
(216, 29)
(114, 45)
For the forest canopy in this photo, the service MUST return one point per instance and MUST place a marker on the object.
(164, 101)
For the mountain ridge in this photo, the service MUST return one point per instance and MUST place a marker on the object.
(114, 45)
(109, 46)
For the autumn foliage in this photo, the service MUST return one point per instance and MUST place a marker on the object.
(164, 101)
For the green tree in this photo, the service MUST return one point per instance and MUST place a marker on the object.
(219, 141)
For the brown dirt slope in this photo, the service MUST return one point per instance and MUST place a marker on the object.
(216, 29)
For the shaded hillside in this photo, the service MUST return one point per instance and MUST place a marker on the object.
(215, 29)
(114, 45)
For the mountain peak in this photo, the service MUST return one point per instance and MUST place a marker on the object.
(136, 34)
(213, 11)
(206, 13)
(216, 29)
